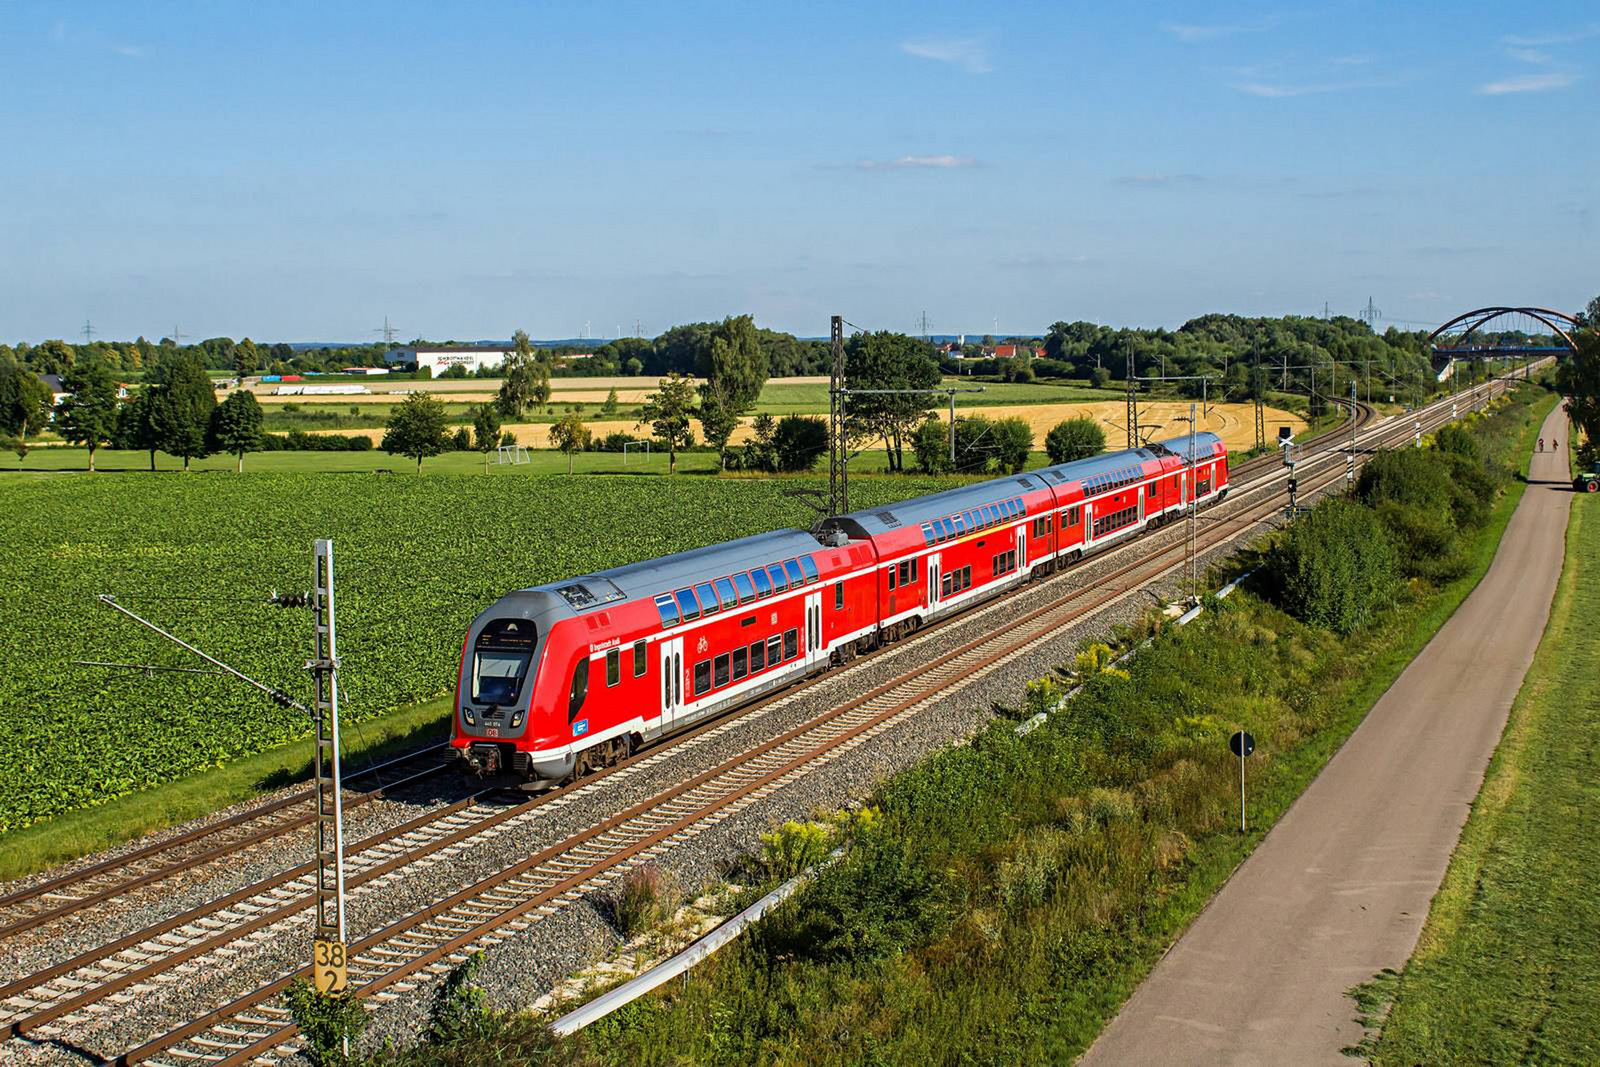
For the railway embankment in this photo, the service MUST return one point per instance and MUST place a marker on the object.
(1014, 890)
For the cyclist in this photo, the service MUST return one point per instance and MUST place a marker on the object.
(1541, 444)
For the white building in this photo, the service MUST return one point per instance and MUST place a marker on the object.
(439, 358)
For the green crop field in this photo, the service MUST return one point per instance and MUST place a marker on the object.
(416, 559)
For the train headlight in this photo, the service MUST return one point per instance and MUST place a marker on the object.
(516, 720)
(467, 715)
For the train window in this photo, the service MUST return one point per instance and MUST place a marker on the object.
(1150, 491)
(792, 569)
(758, 652)
(958, 524)
(702, 677)
(907, 571)
(838, 596)
(927, 533)
(891, 577)
(741, 662)
(668, 609)
(966, 577)
(808, 567)
(948, 527)
(774, 651)
(1075, 515)
(1011, 562)
(720, 677)
(708, 599)
(747, 590)
(779, 582)
(613, 667)
(791, 644)
(763, 583)
(913, 570)
(973, 522)
(944, 584)
(639, 663)
(580, 688)
(500, 660)
(726, 593)
(686, 602)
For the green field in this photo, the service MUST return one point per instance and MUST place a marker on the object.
(417, 558)
(787, 398)
(1508, 966)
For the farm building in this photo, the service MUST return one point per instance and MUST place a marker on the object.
(437, 359)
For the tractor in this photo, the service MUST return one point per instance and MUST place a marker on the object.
(1588, 481)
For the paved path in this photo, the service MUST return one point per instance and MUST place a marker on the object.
(1340, 888)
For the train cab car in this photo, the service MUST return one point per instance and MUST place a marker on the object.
(561, 679)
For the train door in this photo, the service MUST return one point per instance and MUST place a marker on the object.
(671, 681)
(813, 627)
(1088, 525)
(933, 579)
(1022, 549)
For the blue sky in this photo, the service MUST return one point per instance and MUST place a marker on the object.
(297, 171)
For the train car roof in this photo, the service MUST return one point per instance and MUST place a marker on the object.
(912, 513)
(650, 577)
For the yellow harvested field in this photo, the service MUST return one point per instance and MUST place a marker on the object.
(477, 390)
(1159, 420)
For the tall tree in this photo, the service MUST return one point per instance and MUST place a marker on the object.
(24, 404)
(718, 420)
(416, 428)
(236, 425)
(87, 415)
(668, 411)
(1578, 379)
(246, 359)
(516, 390)
(52, 357)
(486, 431)
(570, 436)
(539, 379)
(734, 365)
(183, 403)
(886, 360)
(136, 428)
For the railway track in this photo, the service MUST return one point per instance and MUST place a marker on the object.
(521, 894)
(73, 891)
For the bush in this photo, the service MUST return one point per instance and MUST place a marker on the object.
(1099, 377)
(798, 442)
(1013, 443)
(795, 846)
(645, 898)
(1076, 438)
(1334, 567)
(300, 441)
(877, 900)
(326, 1022)
(932, 447)
(461, 441)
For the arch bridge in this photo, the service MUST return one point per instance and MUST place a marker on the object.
(1517, 336)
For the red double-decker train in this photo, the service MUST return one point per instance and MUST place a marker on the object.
(562, 679)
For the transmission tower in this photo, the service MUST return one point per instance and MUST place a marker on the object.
(924, 322)
(387, 331)
(88, 332)
(1370, 315)
(1255, 393)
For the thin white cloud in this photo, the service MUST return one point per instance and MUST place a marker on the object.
(1278, 90)
(971, 54)
(1193, 33)
(1529, 55)
(1159, 181)
(132, 51)
(1544, 39)
(918, 163)
(1529, 83)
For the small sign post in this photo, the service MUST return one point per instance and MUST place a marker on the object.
(1242, 744)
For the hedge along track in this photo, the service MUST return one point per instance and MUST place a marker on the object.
(386, 962)
(74, 891)
(58, 897)
(187, 944)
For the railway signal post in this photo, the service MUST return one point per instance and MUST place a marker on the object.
(838, 453)
(1242, 745)
(329, 948)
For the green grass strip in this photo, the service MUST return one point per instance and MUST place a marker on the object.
(1508, 966)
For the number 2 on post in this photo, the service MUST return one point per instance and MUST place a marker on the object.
(329, 973)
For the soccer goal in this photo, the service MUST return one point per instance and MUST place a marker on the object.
(635, 445)
(512, 454)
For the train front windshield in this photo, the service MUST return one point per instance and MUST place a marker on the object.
(500, 660)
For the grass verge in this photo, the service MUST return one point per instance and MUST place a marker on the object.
(78, 833)
(1508, 966)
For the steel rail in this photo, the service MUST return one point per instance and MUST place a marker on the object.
(83, 879)
(386, 975)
